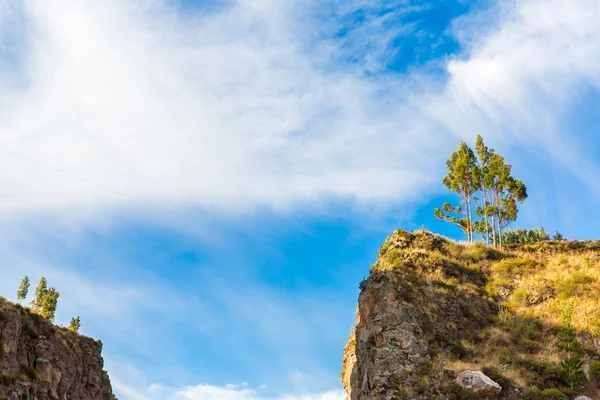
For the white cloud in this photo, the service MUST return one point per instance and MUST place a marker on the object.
(221, 111)
(229, 111)
(231, 392)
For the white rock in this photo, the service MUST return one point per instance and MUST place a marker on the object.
(478, 382)
(582, 398)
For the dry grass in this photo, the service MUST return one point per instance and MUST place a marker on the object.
(509, 302)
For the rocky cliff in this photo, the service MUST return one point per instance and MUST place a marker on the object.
(39, 360)
(432, 309)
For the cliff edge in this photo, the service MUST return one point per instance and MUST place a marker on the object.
(432, 308)
(40, 361)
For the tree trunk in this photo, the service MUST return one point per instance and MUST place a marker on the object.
(485, 214)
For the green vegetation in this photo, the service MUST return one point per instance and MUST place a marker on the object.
(46, 299)
(572, 366)
(482, 179)
(498, 311)
(23, 289)
(40, 292)
(594, 370)
(49, 303)
(74, 325)
(553, 394)
(520, 235)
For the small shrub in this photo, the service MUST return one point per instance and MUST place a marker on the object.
(530, 345)
(563, 261)
(456, 392)
(363, 284)
(532, 393)
(520, 297)
(511, 267)
(1, 349)
(504, 355)
(553, 394)
(506, 318)
(574, 285)
(7, 379)
(571, 364)
(30, 372)
(594, 370)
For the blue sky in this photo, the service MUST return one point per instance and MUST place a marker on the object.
(207, 182)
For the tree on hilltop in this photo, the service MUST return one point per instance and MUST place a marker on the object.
(481, 177)
(23, 289)
(49, 303)
(75, 324)
(40, 292)
(462, 179)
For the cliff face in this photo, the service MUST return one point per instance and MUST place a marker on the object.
(41, 361)
(432, 308)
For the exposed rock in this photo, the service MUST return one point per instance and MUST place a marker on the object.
(431, 308)
(478, 382)
(582, 398)
(48, 362)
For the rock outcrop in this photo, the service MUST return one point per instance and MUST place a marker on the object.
(478, 383)
(432, 309)
(40, 361)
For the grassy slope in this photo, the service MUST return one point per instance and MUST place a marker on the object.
(498, 311)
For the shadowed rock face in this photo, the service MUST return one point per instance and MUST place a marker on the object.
(426, 313)
(48, 362)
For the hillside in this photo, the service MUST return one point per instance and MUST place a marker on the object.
(432, 308)
(40, 361)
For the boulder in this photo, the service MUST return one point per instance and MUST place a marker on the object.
(582, 398)
(478, 382)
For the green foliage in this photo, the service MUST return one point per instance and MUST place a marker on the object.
(30, 372)
(594, 370)
(7, 379)
(553, 394)
(27, 328)
(558, 236)
(23, 289)
(486, 179)
(74, 325)
(40, 292)
(49, 303)
(462, 179)
(532, 393)
(520, 235)
(505, 355)
(506, 319)
(512, 267)
(571, 364)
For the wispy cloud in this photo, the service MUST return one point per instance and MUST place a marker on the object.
(229, 111)
(126, 104)
(228, 392)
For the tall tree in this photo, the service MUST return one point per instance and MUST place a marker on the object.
(505, 193)
(40, 292)
(23, 289)
(462, 179)
(49, 304)
(484, 154)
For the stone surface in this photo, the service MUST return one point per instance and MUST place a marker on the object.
(478, 382)
(582, 398)
(48, 362)
(424, 315)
